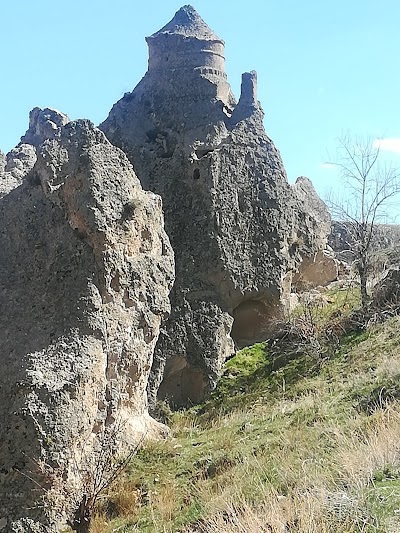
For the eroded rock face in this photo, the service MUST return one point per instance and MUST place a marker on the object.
(2, 163)
(313, 205)
(43, 124)
(320, 268)
(316, 271)
(341, 239)
(17, 164)
(236, 226)
(85, 273)
(386, 292)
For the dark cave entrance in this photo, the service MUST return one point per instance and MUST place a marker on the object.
(254, 321)
(182, 385)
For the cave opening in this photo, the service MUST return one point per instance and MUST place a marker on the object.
(254, 321)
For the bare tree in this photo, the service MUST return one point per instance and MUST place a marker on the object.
(364, 198)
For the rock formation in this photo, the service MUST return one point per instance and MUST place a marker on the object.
(341, 239)
(321, 268)
(386, 293)
(43, 124)
(85, 273)
(237, 228)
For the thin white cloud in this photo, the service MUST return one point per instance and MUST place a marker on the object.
(327, 165)
(388, 145)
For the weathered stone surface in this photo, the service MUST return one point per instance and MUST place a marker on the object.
(2, 163)
(385, 236)
(18, 162)
(236, 226)
(314, 206)
(322, 267)
(43, 124)
(85, 273)
(316, 271)
(386, 292)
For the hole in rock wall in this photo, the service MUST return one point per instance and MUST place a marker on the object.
(182, 384)
(254, 321)
(203, 152)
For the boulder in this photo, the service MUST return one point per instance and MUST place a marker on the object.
(386, 292)
(316, 271)
(85, 273)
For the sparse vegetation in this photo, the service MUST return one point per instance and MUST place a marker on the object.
(312, 445)
(370, 188)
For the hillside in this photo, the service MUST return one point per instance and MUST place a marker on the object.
(299, 437)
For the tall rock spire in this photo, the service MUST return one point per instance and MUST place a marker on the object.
(188, 48)
(235, 225)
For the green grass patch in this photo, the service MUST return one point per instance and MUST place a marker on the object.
(296, 443)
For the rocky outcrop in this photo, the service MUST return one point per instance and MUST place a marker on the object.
(236, 226)
(17, 164)
(2, 163)
(316, 271)
(85, 273)
(386, 293)
(314, 206)
(43, 124)
(322, 267)
(341, 239)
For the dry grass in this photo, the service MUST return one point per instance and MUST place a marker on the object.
(361, 455)
(323, 500)
(296, 450)
(98, 523)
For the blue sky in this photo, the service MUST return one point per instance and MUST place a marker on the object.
(323, 66)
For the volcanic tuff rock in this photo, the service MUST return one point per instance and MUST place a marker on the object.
(386, 292)
(15, 166)
(85, 273)
(342, 241)
(43, 124)
(313, 205)
(321, 268)
(236, 226)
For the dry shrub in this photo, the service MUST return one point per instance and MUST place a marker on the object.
(98, 523)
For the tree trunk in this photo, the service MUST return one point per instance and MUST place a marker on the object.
(363, 285)
(82, 517)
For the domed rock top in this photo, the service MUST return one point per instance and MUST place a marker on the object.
(187, 44)
(188, 23)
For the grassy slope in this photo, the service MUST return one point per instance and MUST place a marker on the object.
(313, 446)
